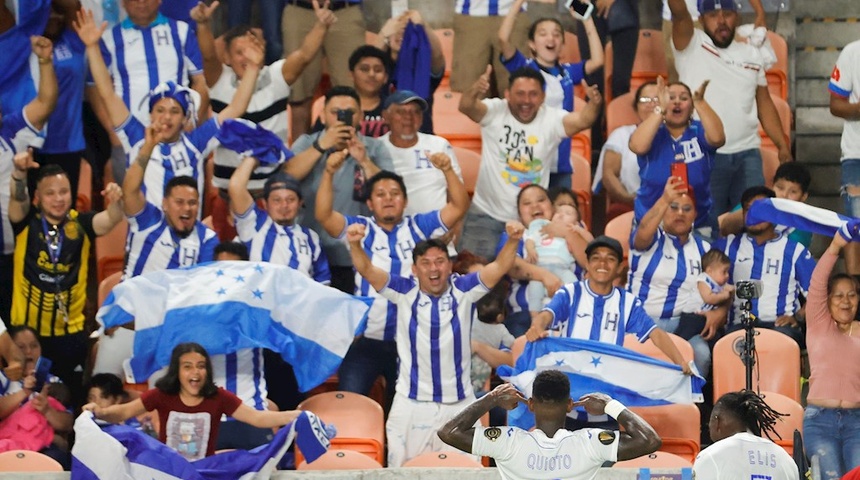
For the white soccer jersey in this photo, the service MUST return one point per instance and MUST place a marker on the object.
(16, 134)
(580, 313)
(434, 337)
(141, 58)
(735, 73)
(295, 246)
(152, 245)
(267, 108)
(425, 184)
(845, 82)
(242, 374)
(483, 8)
(664, 276)
(567, 455)
(784, 267)
(744, 456)
(186, 156)
(392, 252)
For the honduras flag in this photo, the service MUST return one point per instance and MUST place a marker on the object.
(228, 306)
(122, 453)
(781, 211)
(631, 378)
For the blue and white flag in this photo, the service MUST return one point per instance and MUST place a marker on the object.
(781, 211)
(123, 453)
(633, 379)
(229, 306)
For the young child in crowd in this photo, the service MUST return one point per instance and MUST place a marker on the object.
(491, 340)
(711, 283)
(551, 253)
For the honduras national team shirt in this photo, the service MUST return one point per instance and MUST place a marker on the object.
(665, 274)
(560, 82)
(152, 245)
(186, 156)
(655, 167)
(784, 267)
(392, 252)
(140, 58)
(580, 313)
(434, 337)
(16, 134)
(242, 374)
(295, 246)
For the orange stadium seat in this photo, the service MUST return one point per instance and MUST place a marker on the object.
(442, 459)
(786, 425)
(470, 165)
(620, 112)
(583, 197)
(620, 228)
(110, 251)
(651, 350)
(777, 367)
(777, 76)
(26, 461)
(337, 459)
(581, 141)
(649, 63)
(106, 285)
(784, 111)
(448, 122)
(358, 419)
(676, 420)
(581, 178)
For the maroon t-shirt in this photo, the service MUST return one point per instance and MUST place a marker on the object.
(188, 429)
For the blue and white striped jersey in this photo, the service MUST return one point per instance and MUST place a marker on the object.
(664, 276)
(16, 134)
(580, 313)
(139, 58)
(295, 246)
(784, 267)
(434, 337)
(483, 8)
(152, 245)
(392, 252)
(242, 374)
(187, 156)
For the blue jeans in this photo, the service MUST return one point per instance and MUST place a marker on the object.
(701, 349)
(239, 13)
(481, 234)
(833, 435)
(851, 178)
(365, 360)
(732, 174)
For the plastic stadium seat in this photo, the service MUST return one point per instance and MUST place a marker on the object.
(448, 122)
(377, 390)
(340, 460)
(682, 447)
(649, 63)
(106, 285)
(620, 112)
(648, 348)
(583, 197)
(110, 251)
(358, 419)
(581, 141)
(769, 164)
(784, 111)
(620, 228)
(442, 459)
(777, 76)
(470, 165)
(84, 201)
(26, 461)
(676, 421)
(793, 420)
(657, 459)
(581, 179)
(777, 367)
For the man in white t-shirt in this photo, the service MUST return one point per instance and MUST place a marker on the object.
(518, 134)
(737, 91)
(550, 451)
(739, 451)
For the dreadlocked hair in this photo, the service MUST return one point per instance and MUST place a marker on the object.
(751, 409)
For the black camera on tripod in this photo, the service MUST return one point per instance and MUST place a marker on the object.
(748, 289)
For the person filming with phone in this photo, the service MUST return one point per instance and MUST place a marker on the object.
(671, 143)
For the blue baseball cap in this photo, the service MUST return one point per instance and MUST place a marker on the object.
(706, 6)
(403, 97)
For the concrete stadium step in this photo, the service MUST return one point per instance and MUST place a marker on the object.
(826, 32)
(817, 120)
(817, 149)
(812, 92)
(827, 8)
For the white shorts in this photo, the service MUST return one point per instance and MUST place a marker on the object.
(412, 425)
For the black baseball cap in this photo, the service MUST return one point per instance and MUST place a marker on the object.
(604, 241)
(281, 180)
(403, 97)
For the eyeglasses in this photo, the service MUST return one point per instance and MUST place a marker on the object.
(648, 99)
(686, 208)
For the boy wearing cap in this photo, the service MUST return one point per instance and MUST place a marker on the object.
(737, 92)
(595, 309)
(410, 151)
(272, 234)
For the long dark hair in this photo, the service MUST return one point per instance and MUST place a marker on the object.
(169, 383)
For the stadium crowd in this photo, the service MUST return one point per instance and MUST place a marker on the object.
(373, 182)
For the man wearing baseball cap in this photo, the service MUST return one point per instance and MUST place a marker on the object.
(411, 150)
(595, 309)
(271, 233)
(737, 91)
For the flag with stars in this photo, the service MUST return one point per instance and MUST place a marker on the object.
(228, 306)
(631, 378)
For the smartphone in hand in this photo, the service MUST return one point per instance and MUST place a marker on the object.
(581, 10)
(679, 169)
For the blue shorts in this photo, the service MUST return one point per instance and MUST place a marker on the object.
(851, 177)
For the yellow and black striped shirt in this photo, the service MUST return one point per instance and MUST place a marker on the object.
(38, 280)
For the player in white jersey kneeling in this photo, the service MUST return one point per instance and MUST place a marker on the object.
(736, 424)
(550, 451)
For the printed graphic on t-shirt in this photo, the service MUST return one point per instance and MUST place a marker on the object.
(521, 166)
(188, 433)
